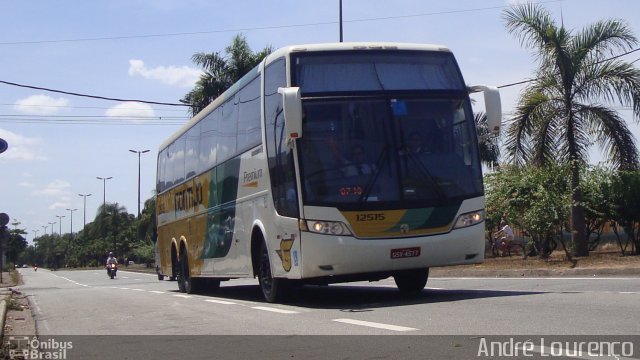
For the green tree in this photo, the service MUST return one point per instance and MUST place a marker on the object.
(560, 113)
(16, 242)
(598, 200)
(220, 72)
(534, 199)
(111, 227)
(626, 188)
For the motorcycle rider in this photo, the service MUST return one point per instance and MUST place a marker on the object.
(111, 260)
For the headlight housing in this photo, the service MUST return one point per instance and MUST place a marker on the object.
(325, 227)
(469, 219)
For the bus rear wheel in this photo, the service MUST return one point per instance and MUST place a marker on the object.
(273, 289)
(411, 281)
(186, 283)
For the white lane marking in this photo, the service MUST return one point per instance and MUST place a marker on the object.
(546, 291)
(137, 289)
(275, 310)
(375, 325)
(183, 296)
(156, 292)
(220, 302)
(435, 278)
(138, 273)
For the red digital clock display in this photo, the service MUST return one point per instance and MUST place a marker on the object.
(355, 190)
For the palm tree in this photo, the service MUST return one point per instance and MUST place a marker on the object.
(561, 112)
(488, 143)
(220, 72)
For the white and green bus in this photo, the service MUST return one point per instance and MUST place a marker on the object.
(327, 163)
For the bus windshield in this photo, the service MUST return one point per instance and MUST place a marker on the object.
(379, 151)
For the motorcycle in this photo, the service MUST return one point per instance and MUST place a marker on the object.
(111, 270)
(35, 268)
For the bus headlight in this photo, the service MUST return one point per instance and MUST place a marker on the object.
(470, 218)
(325, 227)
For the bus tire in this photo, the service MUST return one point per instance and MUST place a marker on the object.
(273, 289)
(411, 281)
(185, 283)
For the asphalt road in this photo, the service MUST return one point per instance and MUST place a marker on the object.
(89, 303)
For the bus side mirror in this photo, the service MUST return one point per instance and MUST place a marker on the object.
(492, 105)
(292, 106)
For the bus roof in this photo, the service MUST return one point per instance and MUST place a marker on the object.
(277, 54)
(352, 46)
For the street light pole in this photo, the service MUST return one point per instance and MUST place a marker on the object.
(340, 20)
(60, 220)
(44, 229)
(85, 209)
(104, 203)
(71, 212)
(52, 223)
(104, 190)
(139, 153)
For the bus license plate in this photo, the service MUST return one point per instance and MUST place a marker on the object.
(405, 252)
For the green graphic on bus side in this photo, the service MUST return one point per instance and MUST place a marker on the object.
(426, 218)
(223, 189)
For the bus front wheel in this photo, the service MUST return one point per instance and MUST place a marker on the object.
(411, 281)
(273, 289)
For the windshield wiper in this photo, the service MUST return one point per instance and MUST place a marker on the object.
(374, 175)
(437, 189)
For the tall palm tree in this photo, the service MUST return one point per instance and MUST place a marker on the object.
(221, 72)
(564, 110)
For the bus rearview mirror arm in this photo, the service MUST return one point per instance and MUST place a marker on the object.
(492, 105)
(292, 107)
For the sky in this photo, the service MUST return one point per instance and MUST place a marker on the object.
(141, 50)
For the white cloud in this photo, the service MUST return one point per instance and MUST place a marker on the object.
(132, 110)
(183, 76)
(56, 188)
(519, 2)
(58, 205)
(26, 184)
(40, 105)
(20, 147)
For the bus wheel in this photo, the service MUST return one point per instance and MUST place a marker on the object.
(411, 281)
(184, 280)
(273, 289)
